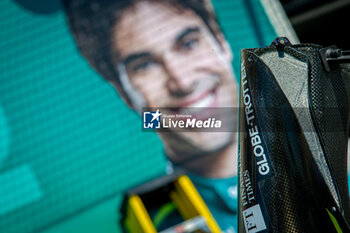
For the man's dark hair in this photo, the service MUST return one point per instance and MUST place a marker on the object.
(91, 23)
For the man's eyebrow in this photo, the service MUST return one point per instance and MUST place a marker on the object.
(186, 32)
(135, 56)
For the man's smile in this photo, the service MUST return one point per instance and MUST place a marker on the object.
(197, 105)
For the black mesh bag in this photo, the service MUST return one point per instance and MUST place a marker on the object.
(294, 128)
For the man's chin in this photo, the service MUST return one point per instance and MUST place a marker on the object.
(209, 141)
(198, 145)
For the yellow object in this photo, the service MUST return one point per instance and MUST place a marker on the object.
(191, 203)
(186, 199)
(335, 222)
(138, 219)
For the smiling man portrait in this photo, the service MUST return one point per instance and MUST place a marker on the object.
(170, 55)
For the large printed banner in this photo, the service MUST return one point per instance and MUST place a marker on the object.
(76, 77)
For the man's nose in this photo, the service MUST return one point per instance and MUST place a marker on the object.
(179, 80)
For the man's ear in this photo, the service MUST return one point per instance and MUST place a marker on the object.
(226, 48)
(121, 93)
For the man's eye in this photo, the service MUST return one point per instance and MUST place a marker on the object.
(189, 44)
(142, 66)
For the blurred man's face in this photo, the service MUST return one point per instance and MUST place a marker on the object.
(173, 60)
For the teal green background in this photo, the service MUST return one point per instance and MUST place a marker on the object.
(81, 144)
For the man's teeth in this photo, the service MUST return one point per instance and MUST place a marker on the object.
(201, 103)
